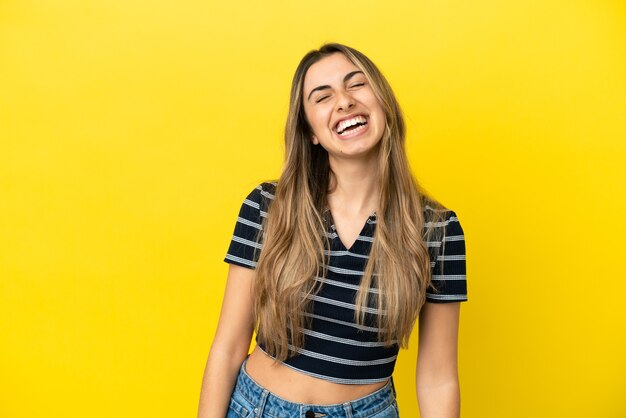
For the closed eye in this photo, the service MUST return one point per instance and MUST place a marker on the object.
(357, 85)
(321, 98)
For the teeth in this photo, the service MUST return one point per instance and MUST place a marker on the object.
(347, 123)
(353, 131)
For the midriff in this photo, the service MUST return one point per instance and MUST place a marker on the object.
(294, 386)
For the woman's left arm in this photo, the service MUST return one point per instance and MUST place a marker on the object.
(436, 375)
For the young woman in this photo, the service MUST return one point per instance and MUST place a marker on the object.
(332, 264)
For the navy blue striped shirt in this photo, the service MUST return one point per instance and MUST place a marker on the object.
(335, 347)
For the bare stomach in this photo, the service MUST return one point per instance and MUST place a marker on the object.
(301, 388)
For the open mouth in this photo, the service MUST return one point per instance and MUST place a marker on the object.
(352, 125)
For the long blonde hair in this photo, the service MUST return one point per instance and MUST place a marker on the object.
(294, 238)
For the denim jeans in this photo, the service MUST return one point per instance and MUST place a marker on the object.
(251, 400)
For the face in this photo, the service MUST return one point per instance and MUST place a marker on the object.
(341, 108)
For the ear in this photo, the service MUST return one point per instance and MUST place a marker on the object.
(314, 140)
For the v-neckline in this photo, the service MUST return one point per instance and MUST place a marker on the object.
(334, 229)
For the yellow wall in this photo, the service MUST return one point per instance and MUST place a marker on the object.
(131, 131)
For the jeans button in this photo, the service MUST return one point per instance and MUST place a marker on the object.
(310, 414)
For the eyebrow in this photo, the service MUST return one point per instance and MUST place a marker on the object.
(345, 79)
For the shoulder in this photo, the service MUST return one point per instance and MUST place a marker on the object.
(434, 212)
(447, 221)
(267, 189)
(264, 190)
(261, 196)
(441, 224)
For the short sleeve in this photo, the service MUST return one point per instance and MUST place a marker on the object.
(246, 243)
(448, 268)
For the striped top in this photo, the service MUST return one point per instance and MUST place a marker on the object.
(335, 347)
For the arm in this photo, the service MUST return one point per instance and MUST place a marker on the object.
(230, 345)
(436, 377)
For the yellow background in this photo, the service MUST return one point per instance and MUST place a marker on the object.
(130, 132)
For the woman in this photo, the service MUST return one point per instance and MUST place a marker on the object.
(333, 263)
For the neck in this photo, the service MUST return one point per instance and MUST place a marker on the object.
(354, 184)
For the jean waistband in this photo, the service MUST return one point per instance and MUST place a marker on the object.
(274, 405)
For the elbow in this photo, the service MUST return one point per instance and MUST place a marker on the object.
(434, 373)
(440, 384)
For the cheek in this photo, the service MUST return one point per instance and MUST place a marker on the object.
(317, 123)
(380, 115)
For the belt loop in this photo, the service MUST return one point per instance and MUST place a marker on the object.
(393, 388)
(258, 411)
(347, 407)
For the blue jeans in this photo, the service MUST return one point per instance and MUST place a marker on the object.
(251, 400)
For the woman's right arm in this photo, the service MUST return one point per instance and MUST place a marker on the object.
(230, 345)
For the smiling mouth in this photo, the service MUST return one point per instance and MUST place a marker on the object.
(351, 125)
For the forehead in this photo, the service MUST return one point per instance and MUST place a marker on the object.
(328, 71)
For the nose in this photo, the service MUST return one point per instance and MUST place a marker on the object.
(344, 101)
